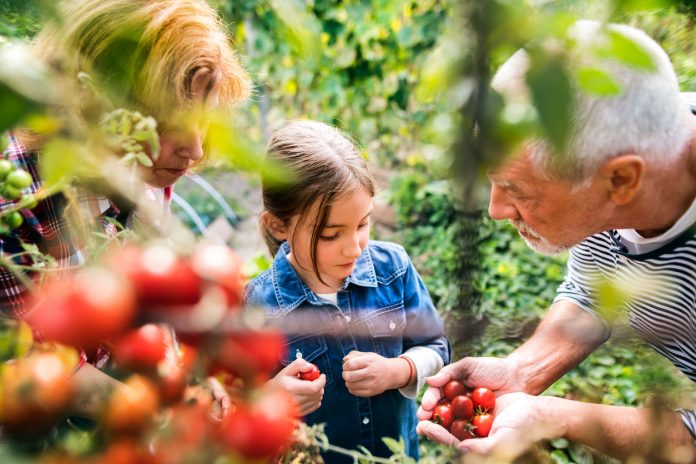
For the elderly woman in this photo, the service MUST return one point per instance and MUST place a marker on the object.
(164, 58)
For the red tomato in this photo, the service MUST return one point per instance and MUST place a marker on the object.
(249, 354)
(312, 374)
(132, 406)
(443, 415)
(463, 407)
(142, 349)
(454, 388)
(482, 424)
(222, 266)
(159, 276)
(171, 384)
(86, 310)
(461, 429)
(483, 398)
(35, 391)
(263, 429)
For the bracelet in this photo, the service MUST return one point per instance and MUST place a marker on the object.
(411, 370)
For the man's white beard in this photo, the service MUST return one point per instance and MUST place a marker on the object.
(538, 243)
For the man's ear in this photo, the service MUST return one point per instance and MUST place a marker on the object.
(624, 177)
(275, 226)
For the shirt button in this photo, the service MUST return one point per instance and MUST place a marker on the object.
(298, 355)
(392, 325)
(366, 420)
(347, 318)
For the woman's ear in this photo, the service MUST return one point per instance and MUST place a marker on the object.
(625, 177)
(275, 226)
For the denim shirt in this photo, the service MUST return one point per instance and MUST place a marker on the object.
(383, 307)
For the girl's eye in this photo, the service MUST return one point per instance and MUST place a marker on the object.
(362, 226)
(328, 238)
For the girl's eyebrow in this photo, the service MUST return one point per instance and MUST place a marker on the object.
(336, 226)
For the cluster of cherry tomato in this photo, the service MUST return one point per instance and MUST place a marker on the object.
(128, 306)
(465, 413)
(12, 181)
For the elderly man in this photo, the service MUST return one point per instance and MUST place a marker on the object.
(623, 201)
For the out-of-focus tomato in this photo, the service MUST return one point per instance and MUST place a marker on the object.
(251, 355)
(132, 406)
(34, 391)
(89, 309)
(262, 429)
(171, 384)
(161, 279)
(141, 349)
(222, 266)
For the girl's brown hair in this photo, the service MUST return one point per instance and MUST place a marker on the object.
(326, 165)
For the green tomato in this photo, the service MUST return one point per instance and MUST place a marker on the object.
(12, 193)
(14, 219)
(19, 178)
(31, 199)
(5, 168)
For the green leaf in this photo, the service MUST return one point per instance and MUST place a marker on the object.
(396, 447)
(628, 52)
(144, 159)
(594, 81)
(59, 161)
(551, 93)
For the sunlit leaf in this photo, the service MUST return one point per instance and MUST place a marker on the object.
(594, 81)
(552, 96)
(626, 51)
(59, 160)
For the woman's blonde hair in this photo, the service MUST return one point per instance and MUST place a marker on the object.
(326, 165)
(147, 51)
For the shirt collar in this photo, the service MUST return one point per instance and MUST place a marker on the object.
(294, 291)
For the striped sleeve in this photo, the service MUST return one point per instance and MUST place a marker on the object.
(689, 419)
(582, 274)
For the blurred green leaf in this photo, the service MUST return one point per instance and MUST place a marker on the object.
(59, 161)
(626, 51)
(594, 81)
(551, 92)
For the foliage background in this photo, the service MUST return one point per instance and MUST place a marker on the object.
(367, 66)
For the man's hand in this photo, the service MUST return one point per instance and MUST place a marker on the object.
(520, 421)
(498, 374)
(307, 394)
(369, 374)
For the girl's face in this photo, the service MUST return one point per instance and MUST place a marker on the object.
(340, 243)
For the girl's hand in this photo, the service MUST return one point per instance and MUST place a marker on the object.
(307, 394)
(369, 374)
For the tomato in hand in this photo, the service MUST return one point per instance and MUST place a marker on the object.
(484, 399)
(482, 424)
(312, 374)
(443, 415)
(454, 388)
(463, 407)
(461, 429)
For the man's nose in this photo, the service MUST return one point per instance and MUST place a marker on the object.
(500, 207)
(191, 145)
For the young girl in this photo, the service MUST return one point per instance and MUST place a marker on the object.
(354, 307)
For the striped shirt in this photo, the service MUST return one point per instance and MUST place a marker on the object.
(659, 283)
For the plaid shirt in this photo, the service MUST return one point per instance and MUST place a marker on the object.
(50, 226)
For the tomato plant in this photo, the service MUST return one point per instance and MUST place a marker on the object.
(141, 349)
(272, 417)
(94, 306)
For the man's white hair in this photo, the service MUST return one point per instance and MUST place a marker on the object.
(647, 118)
